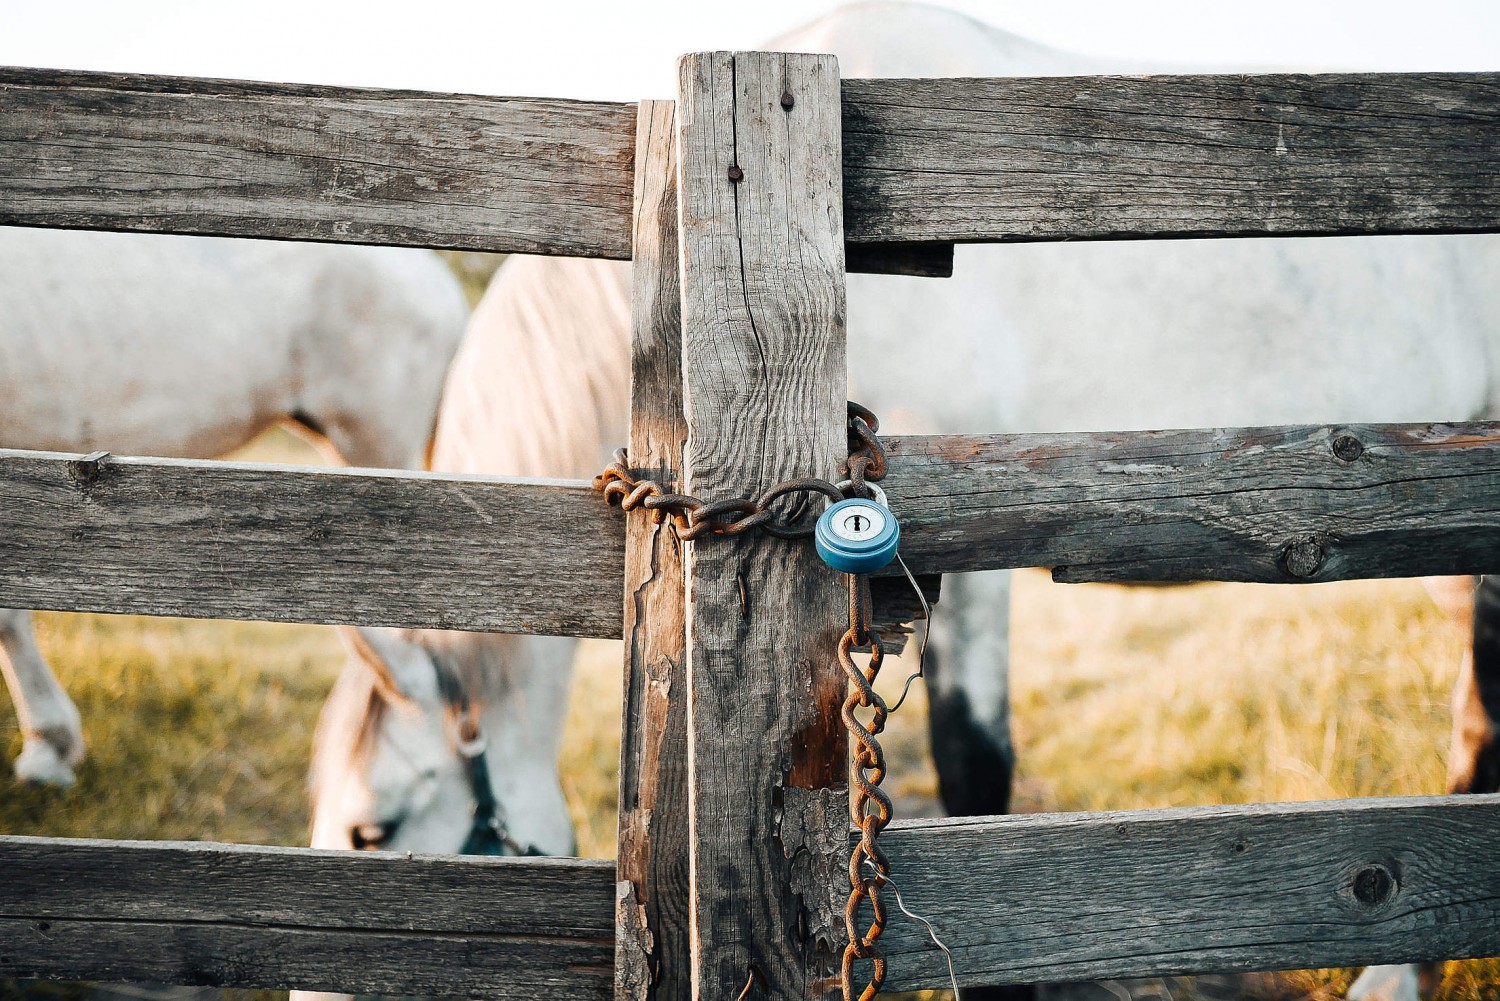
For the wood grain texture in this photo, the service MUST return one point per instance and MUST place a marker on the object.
(1171, 156)
(1019, 899)
(1277, 505)
(764, 376)
(210, 539)
(213, 539)
(925, 160)
(232, 540)
(1088, 896)
(365, 922)
(180, 155)
(652, 945)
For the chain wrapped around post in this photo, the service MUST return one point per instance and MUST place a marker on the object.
(869, 805)
(693, 518)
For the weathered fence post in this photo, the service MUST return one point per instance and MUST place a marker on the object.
(651, 904)
(764, 383)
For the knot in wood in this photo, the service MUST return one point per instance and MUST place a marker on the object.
(1348, 447)
(1373, 885)
(1303, 558)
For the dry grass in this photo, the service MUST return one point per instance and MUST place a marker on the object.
(1124, 699)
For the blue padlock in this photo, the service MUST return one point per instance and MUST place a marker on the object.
(858, 536)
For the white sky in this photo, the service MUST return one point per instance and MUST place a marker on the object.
(626, 49)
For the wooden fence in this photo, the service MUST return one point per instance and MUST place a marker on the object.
(732, 852)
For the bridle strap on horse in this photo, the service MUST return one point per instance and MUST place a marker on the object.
(488, 834)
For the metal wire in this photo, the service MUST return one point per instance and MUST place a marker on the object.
(931, 933)
(921, 671)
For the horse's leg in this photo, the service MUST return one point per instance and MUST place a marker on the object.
(51, 733)
(1473, 752)
(968, 692)
(1473, 755)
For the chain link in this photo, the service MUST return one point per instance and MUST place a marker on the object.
(869, 805)
(692, 517)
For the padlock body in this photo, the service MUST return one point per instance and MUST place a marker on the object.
(857, 536)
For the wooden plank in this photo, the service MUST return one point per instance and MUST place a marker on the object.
(285, 161)
(1054, 897)
(288, 543)
(361, 922)
(210, 539)
(1171, 156)
(926, 161)
(652, 898)
(298, 544)
(1276, 505)
(762, 254)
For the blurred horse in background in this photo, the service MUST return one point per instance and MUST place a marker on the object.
(1055, 337)
(189, 347)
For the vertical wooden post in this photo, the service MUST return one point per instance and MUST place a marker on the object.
(651, 913)
(764, 383)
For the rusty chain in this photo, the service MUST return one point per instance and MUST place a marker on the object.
(869, 805)
(693, 518)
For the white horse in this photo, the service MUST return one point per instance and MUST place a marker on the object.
(190, 347)
(1024, 337)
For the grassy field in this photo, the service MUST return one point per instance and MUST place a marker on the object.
(1123, 699)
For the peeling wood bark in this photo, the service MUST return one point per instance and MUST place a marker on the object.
(652, 951)
(764, 377)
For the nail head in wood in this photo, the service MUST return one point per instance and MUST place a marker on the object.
(85, 472)
(736, 174)
(787, 100)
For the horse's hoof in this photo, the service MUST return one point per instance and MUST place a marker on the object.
(40, 764)
(1386, 983)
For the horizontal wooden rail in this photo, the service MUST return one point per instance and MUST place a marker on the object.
(1092, 896)
(1046, 897)
(228, 540)
(288, 543)
(925, 161)
(1171, 156)
(286, 161)
(376, 923)
(1275, 505)
(297, 544)
(181, 155)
